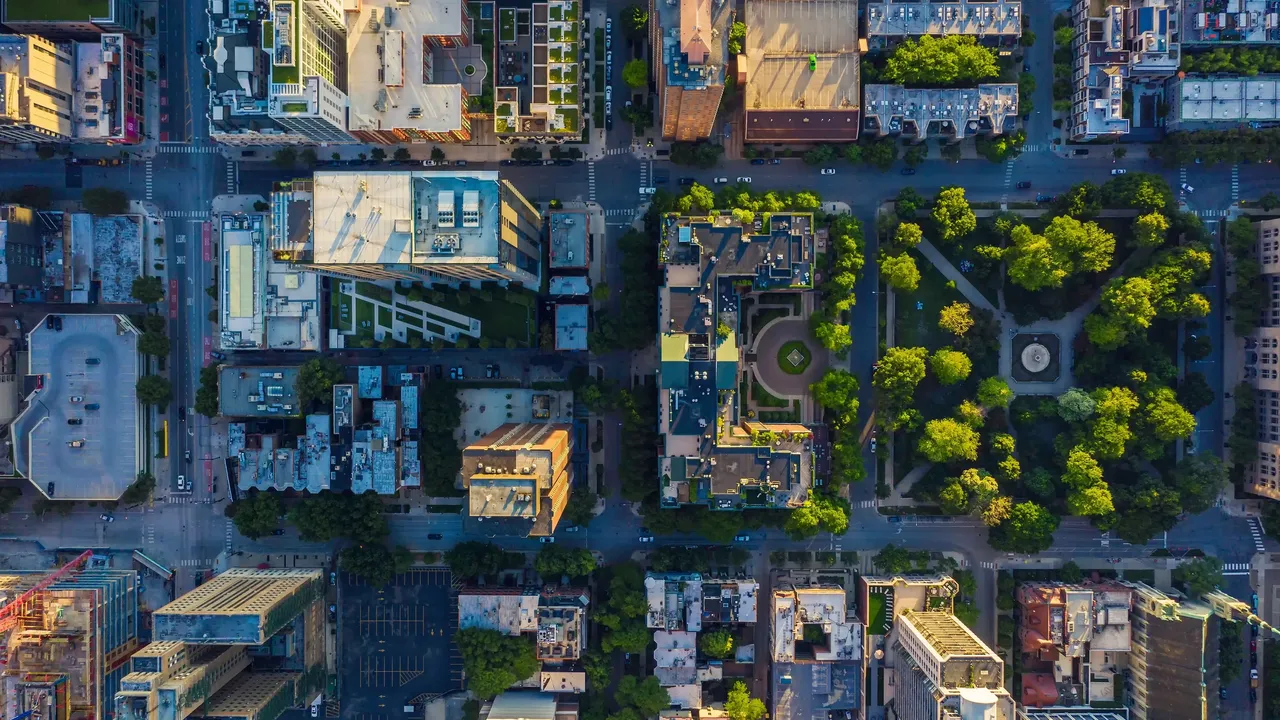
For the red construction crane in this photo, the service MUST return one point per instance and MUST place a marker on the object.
(8, 613)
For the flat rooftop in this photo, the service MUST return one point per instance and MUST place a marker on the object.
(781, 38)
(389, 63)
(980, 19)
(1229, 99)
(953, 111)
(815, 690)
(109, 457)
(568, 234)
(55, 10)
(510, 613)
(571, 327)
(405, 218)
(258, 391)
(265, 303)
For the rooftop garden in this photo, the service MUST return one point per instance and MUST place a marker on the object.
(569, 119)
(507, 25)
(268, 35)
(55, 10)
(285, 74)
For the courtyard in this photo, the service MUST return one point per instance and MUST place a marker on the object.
(368, 313)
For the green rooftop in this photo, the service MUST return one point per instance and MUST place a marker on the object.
(55, 10)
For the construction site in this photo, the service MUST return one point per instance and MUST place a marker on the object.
(67, 637)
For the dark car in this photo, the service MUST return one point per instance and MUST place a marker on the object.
(526, 163)
(48, 322)
(200, 47)
(1253, 695)
(1042, 198)
(775, 161)
(1024, 184)
(218, 356)
(278, 531)
(1222, 693)
(686, 181)
(507, 162)
(248, 153)
(49, 489)
(564, 163)
(908, 171)
(182, 413)
(434, 536)
(75, 421)
(1253, 659)
(758, 161)
(1080, 151)
(439, 370)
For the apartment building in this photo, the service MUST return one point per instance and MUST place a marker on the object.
(817, 645)
(538, 79)
(1173, 664)
(37, 78)
(1217, 23)
(1075, 642)
(996, 23)
(431, 227)
(942, 670)
(21, 250)
(1218, 102)
(1118, 42)
(267, 304)
(306, 41)
(520, 475)
(1260, 367)
(690, 70)
(83, 21)
(949, 113)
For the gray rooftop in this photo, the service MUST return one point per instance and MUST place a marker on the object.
(1217, 99)
(568, 234)
(571, 327)
(111, 454)
(258, 391)
(813, 690)
(980, 19)
(893, 109)
(370, 381)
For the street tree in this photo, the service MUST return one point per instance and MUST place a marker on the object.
(154, 390)
(556, 560)
(955, 318)
(837, 393)
(950, 366)
(102, 201)
(833, 336)
(140, 490)
(948, 440)
(315, 382)
(1028, 529)
(900, 273)
(952, 214)
(257, 514)
(1150, 230)
(636, 74)
(819, 513)
(635, 20)
(741, 706)
(473, 559)
(907, 235)
(1199, 478)
(155, 344)
(1165, 418)
(898, 373)
(647, 696)
(375, 562)
(147, 289)
(1199, 576)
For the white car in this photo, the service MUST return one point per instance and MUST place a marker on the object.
(107, 518)
(646, 538)
(182, 482)
(1187, 188)
(429, 163)
(608, 108)
(608, 25)
(721, 180)
(547, 539)
(828, 171)
(608, 57)
(648, 190)
(744, 179)
(1119, 171)
(608, 93)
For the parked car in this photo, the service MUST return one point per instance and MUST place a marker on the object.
(1119, 171)
(218, 356)
(744, 180)
(775, 161)
(333, 578)
(1042, 198)
(908, 171)
(435, 536)
(248, 153)
(107, 518)
(758, 161)
(92, 406)
(721, 180)
(608, 25)
(687, 181)
(608, 93)
(93, 361)
(200, 48)
(646, 538)
(608, 57)
(564, 163)
(608, 41)
(75, 421)
(547, 539)
(608, 108)
(187, 455)
(278, 531)
(507, 162)
(1187, 188)
(828, 171)
(76, 443)
(572, 528)
(1024, 184)
(1080, 151)
(459, 163)
(742, 538)
(77, 398)
(439, 372)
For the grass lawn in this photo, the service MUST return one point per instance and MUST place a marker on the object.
(876, 624)
(919, 327)
(784, 361)
(410, 333)
(375, 292)
(763, 398)
(43, 10)
(365, 315)
(987, 282)
(384, 318)
(508, 315)
(414, 320)
(340, 311)
(507, 25)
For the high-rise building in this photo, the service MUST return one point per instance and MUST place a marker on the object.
(1260, 367)
(247, 644)
(423, 226)
(520, 474)
(84, 20)
(943, 671)
(691, 68)
(1117, 42)
(68, 635)
(307, 42)
(36, 89)
(1173, 666)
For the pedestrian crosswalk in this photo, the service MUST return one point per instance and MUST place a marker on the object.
(179, 499)
(233, 177)
(149, 179)
(1235, 183)
(591, 181)
(644, 174)
(1255, 529)
(1210, 214)
(195, 563)
(1008, 180)
(230, 532)
(1038, 147)
(189, 149)
(1235, 566)
(186, 214)
(988, 565)
(149, 531)
(617, 151)
(866, 504)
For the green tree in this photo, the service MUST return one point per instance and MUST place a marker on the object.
(950, 366)
(1199, 479)
(257, 514)
(819, 513)
(556, 560)
(739, 705)
(494, 662)
(1149, 230)
(401, 154)
(948, 440)
(952, 214)
(994, 392)
(949, 60)
(1194, 392)
(635, 20)
(147, 289)
(833, 336)
(315, 382)
(1028, 529)
(837, 393)
(1230, 652)
(154, 390)
(955, 318)
(716, 644)
(1075, 405)
(898, 373)
(635, 73)
(737, 38)
(1070, 572)
(1165, 418)
(154, 344)
(139, 491)
(102, 201)
(900, 273)
(647, 696)
(1067, 247)
(1199, 576)
(285, 158)
(907, 236)
(474, 559)
(375, 562)
(702, 197)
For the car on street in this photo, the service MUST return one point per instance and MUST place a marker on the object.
(1119, 171)
(648, 190)
(429, 163)
(107, 518)
(182, 482)
(182, 413)
(1187, 188)
(188, 455)
(75, 421)
(439, 372)
(547, 539)
(507, 162)
(895, 519)
(1253, 658)
(1024, 184)
(200, 48)
(744, 179)
(435, 536)
(278, 531)
(92, 406)
(93, 361)
(686, 181)
(76, 443)
(742, 538)
(217, 356)
(775, 161)
(572, 528)
(1253, 696)
(608, 93)
(77, 398)
(873, 443)
(646, 538)
(608, 57)
(608, 42)
(828, 171)
(1080, 151)
(1253, 673)
(721, 180)
(1222, 692)
(1042, 198)
(608, 107)
(333, 578)
(908, 171)
(608, 25)
(1255, 602)
(608, 121)
(758, 161)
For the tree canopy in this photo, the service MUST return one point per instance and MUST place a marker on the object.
(741, 706)
(316, 379)
(955, 318)
(716, 643)
(154, 390)
(898, 373)
(994, 392)
(948, 440)
(147, 289)
(635, 73)
(256, 514)
(1199, 576)
(950, 366)
(556, 560)
(375, 562)
(1028, 529)
(932, 62)
(951, 212)
(473, 559)
(900, 272)
(494, 662)
(1067, 247)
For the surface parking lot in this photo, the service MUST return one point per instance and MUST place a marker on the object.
(397, 643)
